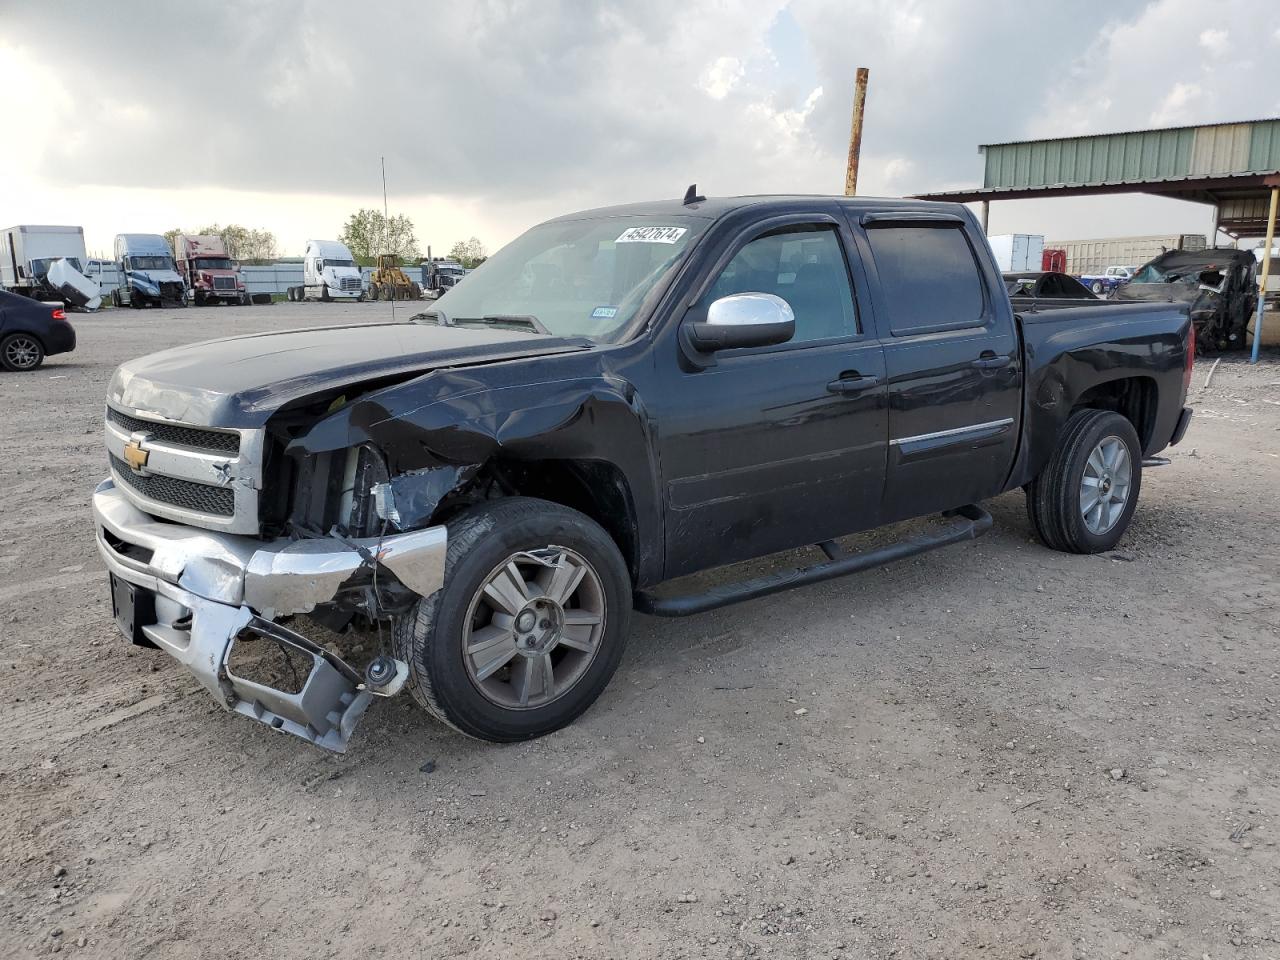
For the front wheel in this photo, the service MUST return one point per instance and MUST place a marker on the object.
(1084, 498)
(1097, 287)
(529, 627)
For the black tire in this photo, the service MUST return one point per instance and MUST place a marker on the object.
(115, 297)
(372, 293)
(21, 352)
(1054, 497)
(198, 296)
(430, 636)
(324, 293)
(1097, 287)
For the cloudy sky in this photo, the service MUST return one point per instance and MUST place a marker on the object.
(493, 115)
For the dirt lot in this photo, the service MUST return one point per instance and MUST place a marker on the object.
(993, 750)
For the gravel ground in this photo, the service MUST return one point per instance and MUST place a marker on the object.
(991, 750)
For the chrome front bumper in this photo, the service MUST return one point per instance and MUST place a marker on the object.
(211, 589)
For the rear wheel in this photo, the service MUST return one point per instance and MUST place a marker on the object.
(529, 627)
(1097, 287)
(1084, 498)
(20, 352)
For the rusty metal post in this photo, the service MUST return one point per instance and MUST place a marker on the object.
(855, 133)
(1266, 273)
(986, 216)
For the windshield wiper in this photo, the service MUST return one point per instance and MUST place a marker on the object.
(509, 321)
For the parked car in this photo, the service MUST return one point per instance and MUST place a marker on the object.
(1219, 285)
(1049, 285)
(1108, 280)
(616, 399)
(31, 330)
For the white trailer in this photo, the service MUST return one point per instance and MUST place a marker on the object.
(28, 252)
(329, 272)
(1018, 252)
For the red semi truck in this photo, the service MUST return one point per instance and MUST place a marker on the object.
(210, 274)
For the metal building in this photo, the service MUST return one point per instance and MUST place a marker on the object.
(1235, 167)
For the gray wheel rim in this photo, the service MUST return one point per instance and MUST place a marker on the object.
(22, 353)
(534, 627)
(1105, 485)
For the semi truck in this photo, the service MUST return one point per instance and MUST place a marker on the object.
(1017, 252)
(47, 263)
(329, 272)
(148, 274)
(211, 275)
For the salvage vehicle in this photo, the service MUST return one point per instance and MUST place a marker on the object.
(615, 399)
(30, 331)
(329, 272)
(1218, 283)
(148, 274)
(440, 275)
(211, 276)
(1108, 280)
(47, 263)
(1048, 285)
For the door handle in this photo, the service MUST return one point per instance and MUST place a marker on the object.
(851, 384)
(989, 361)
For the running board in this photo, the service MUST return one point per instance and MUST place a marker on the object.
(972, 522)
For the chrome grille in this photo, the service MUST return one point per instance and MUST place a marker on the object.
(187, 494)
(224, 283)
(178, 434)
(190, 473)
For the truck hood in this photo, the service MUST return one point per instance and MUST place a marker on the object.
(242, 381)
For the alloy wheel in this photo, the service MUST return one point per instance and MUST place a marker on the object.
(534, 627)
(1104, 486)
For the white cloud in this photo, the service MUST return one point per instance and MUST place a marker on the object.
(1216, 41)
(1178, 105)
(721, 77)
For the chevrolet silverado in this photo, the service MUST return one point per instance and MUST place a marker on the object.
(616, 399)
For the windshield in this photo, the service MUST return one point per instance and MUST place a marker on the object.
(150, 263)
(338, 263)
(573, 277)
(213, 263)
(41, 266)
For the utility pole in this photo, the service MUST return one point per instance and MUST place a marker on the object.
(855, 132)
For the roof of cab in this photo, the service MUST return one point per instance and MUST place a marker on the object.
(713, 208)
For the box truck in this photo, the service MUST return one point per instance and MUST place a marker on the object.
(148, 274)
(329, 272)
(211, 276)
(47, 263)
(1017, 252)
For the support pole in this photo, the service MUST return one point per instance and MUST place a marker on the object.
(855, 132)
(1266, 272)
(986, 216)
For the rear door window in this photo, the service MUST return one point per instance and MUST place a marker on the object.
(929, 277)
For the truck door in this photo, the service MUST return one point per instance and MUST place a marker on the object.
(775, 447)
(952, 358)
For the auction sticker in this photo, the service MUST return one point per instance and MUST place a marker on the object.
(604, 313)
(651, 235)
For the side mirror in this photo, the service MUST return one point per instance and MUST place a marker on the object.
(743, 320)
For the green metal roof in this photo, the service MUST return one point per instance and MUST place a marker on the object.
(1212, 150)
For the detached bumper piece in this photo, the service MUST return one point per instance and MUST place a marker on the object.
(197, 595)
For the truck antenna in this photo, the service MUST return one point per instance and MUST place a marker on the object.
(386, 226)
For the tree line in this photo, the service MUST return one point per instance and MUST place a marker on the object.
(368, 233)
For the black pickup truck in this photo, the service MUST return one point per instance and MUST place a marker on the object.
(616, 399)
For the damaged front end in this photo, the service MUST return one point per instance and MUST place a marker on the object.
(198, 594)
